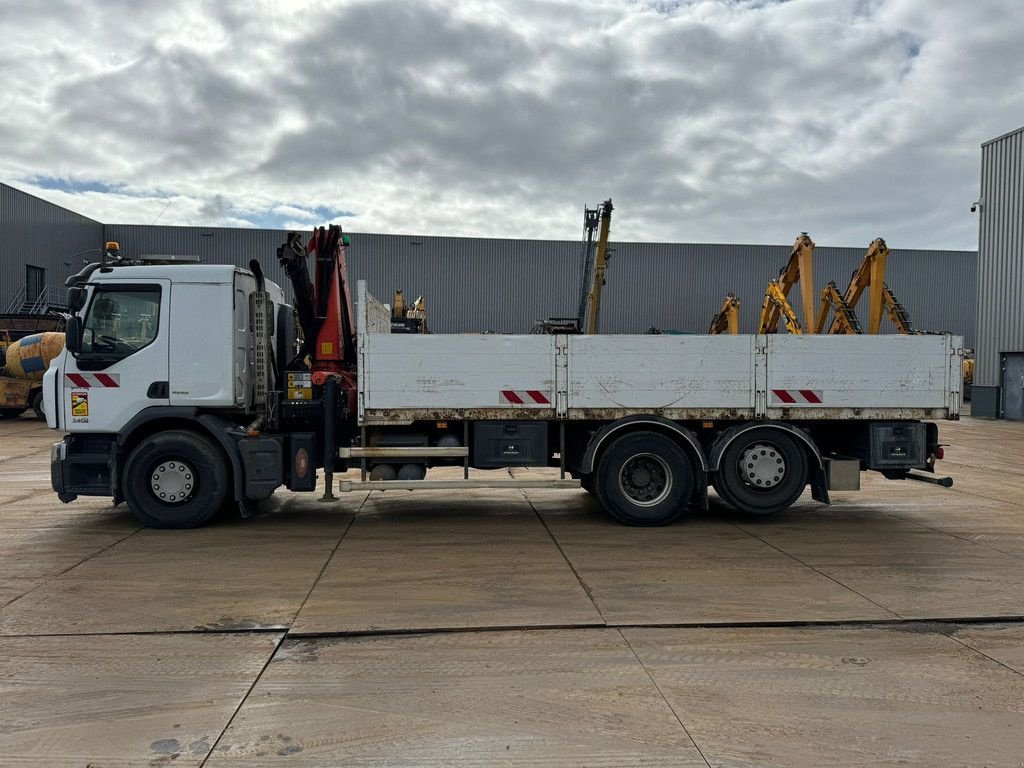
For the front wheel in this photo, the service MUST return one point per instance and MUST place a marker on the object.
(644, 479)
(175, 479)
(37, 406)
(763, 471)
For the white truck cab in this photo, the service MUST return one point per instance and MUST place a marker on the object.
(159, 343)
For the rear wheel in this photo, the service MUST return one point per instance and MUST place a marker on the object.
(644, 479)
(175, 480)
(763, 471)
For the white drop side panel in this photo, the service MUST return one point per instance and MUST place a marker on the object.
(679, 376)
(436, 373)
(903, 373)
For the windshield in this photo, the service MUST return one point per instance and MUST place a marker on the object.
(120, 321)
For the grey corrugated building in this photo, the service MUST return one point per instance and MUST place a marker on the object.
(504, 285)
(999, 377)
(39, 243)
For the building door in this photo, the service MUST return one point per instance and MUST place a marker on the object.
(35, 282)
(1013, 386)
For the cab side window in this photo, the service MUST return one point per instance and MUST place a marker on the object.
(120, 321)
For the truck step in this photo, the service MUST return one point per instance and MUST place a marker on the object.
(445, 485)
(402, 453)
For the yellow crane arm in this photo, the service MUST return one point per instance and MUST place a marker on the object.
(870, 274)
(600, 265)
(896, 311)
(845, 320)
(776, 305)
(727, 319)
(799, 268)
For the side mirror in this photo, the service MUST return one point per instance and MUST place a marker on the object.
(76, 299)
(73, 335)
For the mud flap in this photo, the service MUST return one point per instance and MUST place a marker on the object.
(819, 485)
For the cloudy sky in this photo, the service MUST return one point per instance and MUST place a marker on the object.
(705, 120)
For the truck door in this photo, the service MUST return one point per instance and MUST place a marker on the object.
(123, 366)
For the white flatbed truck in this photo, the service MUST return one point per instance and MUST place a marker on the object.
(180, 390)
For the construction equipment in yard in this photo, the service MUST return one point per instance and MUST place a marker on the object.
(870, 274)
(600, 267)
(845, 319)
(799, 269)
(25, 360)
(727, 318)
(596, 221)
(408, 319)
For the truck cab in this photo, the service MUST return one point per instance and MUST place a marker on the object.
(151, 352)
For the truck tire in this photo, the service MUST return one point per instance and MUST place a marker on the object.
(175, 479)
(37, 405)
(762, 471)
(644, 479)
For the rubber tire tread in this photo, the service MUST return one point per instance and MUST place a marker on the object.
(618, 505)
(738, 495)
(210, 468)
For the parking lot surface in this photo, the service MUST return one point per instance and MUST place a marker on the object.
(518, 628)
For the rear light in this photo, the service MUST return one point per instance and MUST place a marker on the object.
(940, 454)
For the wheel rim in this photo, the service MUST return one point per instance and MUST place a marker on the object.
(645, 479)
(172, 481)
(762, 466)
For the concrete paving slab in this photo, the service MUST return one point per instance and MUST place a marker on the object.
(836, 697)
(424, 561)
(539, 698)
(1003, 643)
(703, 570)
(30, 557)
(113, 701)
(914, 572)
(234, 575)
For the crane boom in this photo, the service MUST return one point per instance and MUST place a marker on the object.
(727, 318)
(799, 268)
(600, 265)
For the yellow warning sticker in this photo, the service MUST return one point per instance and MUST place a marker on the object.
(326, 348)
(79, 403)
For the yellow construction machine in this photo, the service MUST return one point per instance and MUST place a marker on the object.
(600, 266)
(845, 319)
(727, 319)
(776, 306)
(881, 300)
(596, 221)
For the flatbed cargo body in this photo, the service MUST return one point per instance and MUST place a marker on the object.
(404, 379)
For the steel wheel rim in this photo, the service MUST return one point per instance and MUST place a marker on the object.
(172, 481)
(762, 466)
(645, 479)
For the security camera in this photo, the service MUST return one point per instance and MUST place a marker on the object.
(975, 206)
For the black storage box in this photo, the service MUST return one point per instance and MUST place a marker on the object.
(510, 444)
(897, 445)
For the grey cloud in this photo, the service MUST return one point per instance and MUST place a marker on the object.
(705, 120)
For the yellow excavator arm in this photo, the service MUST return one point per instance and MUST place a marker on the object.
(776, 305)
(896, 311)
(727, 319)
(600, 266)
(800, 269)
(870, 274)
(845, 320)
